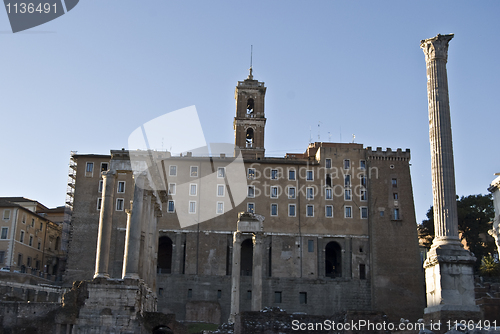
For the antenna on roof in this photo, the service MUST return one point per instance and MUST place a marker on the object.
(353, 136)
(319, 133)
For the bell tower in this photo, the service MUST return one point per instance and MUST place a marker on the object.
(250, 120)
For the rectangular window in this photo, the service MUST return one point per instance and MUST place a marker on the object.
(6, 214)
(172, 170)
(99, 203)
(251, 207)
(310, 175)
(5, 232)
(37, 265)
(193, 189)
(192, 207)
(249, 294)
(328, 211)
(396, 214)
(310, 246)
(347, 163)
(90, 167)
(220, 208)
(119, 204)
(101, 182)
(310, 193)
(2, 257)
(328, 180)
(104, 166)
(310, 210)
(347, 181)
(291, 174)
(30, 242)
(274, 209)
(362, 164)
(381, 213)
(348, 212)
(251, 192)
(362, 271)
(394, 183)
(21, 238)
(41, 226)
(220, 190)
(303, 297)
(274, 174)
(190, 293)
(328, 193)
(194, 171)
(363, 212)
(347, 194)
(363, 196)
(328, 163)
(251, 173)
(39, 246)
(221, 172)
(219, 294)
(24, 219)
(277, 297)
(32, 222)
(171, 188)
(121, 186)
(363, 180)
(28, 262)
(274, 192)
(171, 206)
(291, 210)
(291, 192)
(395, 196)
(19, 259)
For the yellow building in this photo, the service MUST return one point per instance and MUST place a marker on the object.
(29, 242)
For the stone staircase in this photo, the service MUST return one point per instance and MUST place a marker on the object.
(488, 299)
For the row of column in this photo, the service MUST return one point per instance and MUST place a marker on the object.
(140, 237)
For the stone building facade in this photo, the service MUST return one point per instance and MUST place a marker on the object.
(325, 231)
(29, 242)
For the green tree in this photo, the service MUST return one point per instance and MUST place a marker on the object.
(475, 214)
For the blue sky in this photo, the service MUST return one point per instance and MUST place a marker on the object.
(86, 80)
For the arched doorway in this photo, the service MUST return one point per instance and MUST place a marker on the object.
(164, 265)
(246, 257)
(333, 260)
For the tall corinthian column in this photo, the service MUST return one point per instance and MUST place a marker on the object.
(443, 169)
(449, 274)
(105, 225)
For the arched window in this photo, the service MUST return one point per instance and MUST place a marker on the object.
(250, 106)
(58, 241)
(333, 260)
(164, 265)
(246, 257)
(249, 137)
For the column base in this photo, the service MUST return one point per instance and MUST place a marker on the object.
(101, 275)
(133, 276)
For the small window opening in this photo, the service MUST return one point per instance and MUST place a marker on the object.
(362, 271)
(328, 180)
(250, 105)
(249, 137)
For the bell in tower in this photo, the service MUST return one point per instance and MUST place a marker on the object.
(250, 119)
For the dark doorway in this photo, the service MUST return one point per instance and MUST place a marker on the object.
(164, 265)
(333, 260)
(246, 257)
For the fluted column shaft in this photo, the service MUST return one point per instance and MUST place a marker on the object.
(105, 225)
(443, 169)
(133, 233)
(235, 277)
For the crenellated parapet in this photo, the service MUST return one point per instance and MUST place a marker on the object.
(388, 154)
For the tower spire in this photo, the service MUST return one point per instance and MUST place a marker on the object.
(250, 76)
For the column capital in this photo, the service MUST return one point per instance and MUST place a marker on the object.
(436, 47)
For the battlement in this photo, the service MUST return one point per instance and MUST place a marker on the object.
(388, 154)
